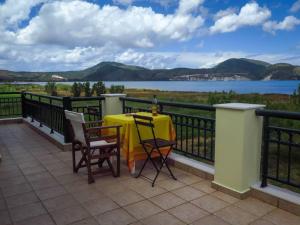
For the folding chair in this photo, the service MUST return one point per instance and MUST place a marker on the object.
(153, 145)
(95, 148)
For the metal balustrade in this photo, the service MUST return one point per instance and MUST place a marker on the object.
(10, 104)
(281, 148)
(194, 125)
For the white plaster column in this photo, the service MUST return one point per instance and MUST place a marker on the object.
(238, 147)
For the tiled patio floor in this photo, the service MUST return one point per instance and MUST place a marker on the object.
(39, 188)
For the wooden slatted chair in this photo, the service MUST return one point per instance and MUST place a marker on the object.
(95, 148)
(153, 145)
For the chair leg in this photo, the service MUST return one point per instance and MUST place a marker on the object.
(165, 162)
(74, 158)
(118, 161)
(83, 159)
(111, 167)
(89, 169)
(148, 157)
(100, 162)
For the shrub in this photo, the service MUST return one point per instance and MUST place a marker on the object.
(51, 88)
(76, 89)
(99, 88)
(117, 89)
(88, 92)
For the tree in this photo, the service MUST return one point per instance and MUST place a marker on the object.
(76, 89)
(99, 88)
(116, 89)
(88, 92)
(51, 88)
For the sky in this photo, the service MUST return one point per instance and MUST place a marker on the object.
(61, 35)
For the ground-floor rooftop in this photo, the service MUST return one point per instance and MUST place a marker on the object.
(38, 187)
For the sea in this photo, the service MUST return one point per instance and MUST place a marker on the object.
(242, 87)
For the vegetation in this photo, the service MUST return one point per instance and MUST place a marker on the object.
(117, 89)
(112, 71)
(51, 88)
(76, 89)
(99, 88)
(88, 91)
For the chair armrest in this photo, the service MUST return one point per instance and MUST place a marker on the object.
(94, 129)
(91, 123)
(106, 138)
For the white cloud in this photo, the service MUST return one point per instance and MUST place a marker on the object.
(76, 34)
(79, 23)
(288, 23)
(123, 2)
(226, 12)
(12, 13)
(188, 6)
(295, 7)
(250, 14)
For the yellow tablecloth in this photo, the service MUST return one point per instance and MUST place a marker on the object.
(131, 147)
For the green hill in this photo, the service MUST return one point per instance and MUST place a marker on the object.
(113, 71)
(283, 71)
(253, 69)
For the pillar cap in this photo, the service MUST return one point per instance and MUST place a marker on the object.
(239, 106)
(113, 95)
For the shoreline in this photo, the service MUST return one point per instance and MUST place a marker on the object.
(238, 87)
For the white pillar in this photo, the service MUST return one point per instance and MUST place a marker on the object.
(112, 104)
(238, 148)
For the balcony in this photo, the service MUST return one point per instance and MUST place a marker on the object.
(38, 185)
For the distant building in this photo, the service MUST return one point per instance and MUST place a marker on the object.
(57, 78)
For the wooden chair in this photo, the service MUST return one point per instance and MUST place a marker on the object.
(95, 148)
(153, 145)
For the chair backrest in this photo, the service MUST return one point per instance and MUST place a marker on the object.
(76, 120)
(145, 121)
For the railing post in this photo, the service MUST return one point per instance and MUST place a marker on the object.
(40, 112)
(112, 104)
(123, 106)
(51, 116)
(265, 158)
(67, 105)
(23, 107)
(237, 148)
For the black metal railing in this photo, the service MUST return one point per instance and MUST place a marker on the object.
(90, 106)
(194, 125)
(10, 104)
(49, 110)
(281, 148)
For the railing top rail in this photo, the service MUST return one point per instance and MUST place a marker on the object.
(10, 93)
(287, 130)
(43, 96)
(278, 114)
(189, 116)
(177, 104)
(86, 98)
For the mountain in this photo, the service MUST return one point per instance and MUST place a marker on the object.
(116, 71)
(252, 69)
(231, 69)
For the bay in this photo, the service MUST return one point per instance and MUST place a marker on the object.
(243, 87)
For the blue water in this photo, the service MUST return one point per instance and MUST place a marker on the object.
(263, 87)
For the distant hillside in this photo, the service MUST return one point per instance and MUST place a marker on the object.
(253, 69)
(117, 71)
(231, 69)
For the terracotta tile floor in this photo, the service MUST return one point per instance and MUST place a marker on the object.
(38, 188)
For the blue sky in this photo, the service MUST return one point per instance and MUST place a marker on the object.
(47, 35)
